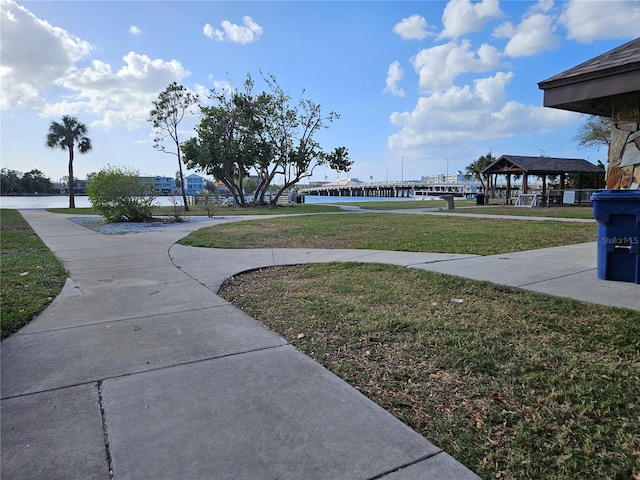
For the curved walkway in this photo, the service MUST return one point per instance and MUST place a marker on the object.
(138, 371)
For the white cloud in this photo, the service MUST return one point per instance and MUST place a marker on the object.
(535, 34)
(122, 98)
(412, 28)
(231, 32)
(600, 19)
(542, 6)
(133, 30)
(438, 66)
(394, 75)
(462, 16)
(38, 58)
(505, 30)
(463, 114)
(209, 31)
(35, 56)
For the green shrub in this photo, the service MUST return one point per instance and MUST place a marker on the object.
(120, 195)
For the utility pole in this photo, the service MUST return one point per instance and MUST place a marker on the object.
(402, 170)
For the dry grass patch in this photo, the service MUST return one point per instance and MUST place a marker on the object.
(513, 384)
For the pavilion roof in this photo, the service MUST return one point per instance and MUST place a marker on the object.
(592, 86)
(516, 164)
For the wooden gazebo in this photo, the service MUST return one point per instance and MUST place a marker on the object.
(543, 167)
(609, 86)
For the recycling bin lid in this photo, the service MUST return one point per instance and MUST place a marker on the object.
(617, 195)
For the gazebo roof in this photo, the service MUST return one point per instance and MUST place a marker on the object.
(592, 86)
(515, 164)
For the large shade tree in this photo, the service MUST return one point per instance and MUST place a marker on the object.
(34, 181)
(69, 134)
(169, 110)
(267, 135)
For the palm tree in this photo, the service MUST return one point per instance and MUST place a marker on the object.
(68, 135)
(474, 170)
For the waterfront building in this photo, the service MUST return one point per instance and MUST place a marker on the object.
(194, 183)
(162, 185)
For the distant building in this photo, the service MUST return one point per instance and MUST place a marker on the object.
(455, 177)
(343, 182)
(162, 185)
(194, 183)
(79, 187)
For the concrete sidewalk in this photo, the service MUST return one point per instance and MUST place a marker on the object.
(568, 271)
(139, 371)
(140, 368)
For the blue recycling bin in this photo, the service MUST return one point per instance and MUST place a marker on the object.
(618, 215)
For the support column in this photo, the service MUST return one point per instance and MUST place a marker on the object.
(623, 171)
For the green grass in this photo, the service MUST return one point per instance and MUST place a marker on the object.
(31, 275)
(402, 204)
(551, 212)
(226, 210)
(513, 384)
(381, 231)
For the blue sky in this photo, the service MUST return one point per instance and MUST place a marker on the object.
(421, 87)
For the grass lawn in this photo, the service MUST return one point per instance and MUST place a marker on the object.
(225, 210)
(551, 212)
(31, 275)
(514, 384)
(402, 204)
(469, 206)
(382, 231)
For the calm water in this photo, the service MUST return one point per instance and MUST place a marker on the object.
(60, 201)
(55, 201)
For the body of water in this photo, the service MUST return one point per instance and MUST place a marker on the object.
(82, 201)
(54, 201)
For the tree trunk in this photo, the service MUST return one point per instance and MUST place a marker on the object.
(72, 201)
(184, 191)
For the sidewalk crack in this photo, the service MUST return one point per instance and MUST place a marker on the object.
(406, 465)
(105, 432)
(555, 278)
